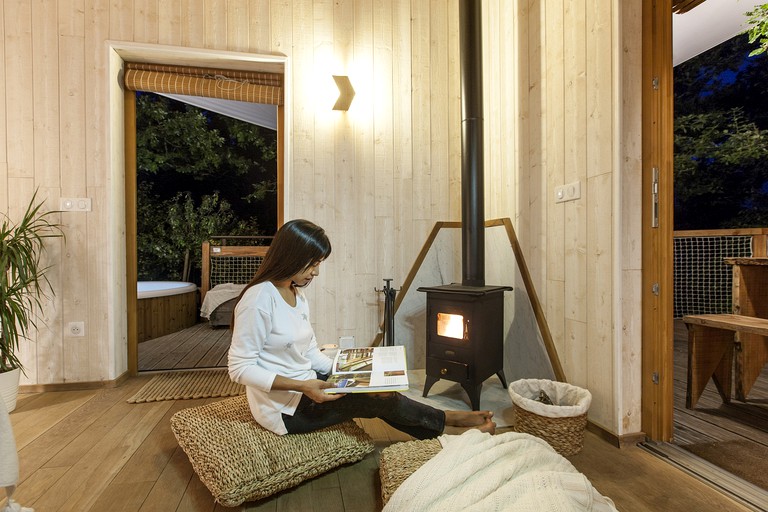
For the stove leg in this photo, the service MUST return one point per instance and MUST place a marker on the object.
(474, 394)
(503, 379)
(428, 384)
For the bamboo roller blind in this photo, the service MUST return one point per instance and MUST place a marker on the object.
(224, 84)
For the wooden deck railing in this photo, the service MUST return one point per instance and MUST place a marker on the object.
(236, 263)
(702, 282)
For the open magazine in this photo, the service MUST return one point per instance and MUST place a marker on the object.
(368, 370)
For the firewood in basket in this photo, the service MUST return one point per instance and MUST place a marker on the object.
(544, 398)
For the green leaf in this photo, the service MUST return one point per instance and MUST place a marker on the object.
(757, 19)
(23, 280)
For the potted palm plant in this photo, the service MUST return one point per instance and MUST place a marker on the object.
(23, 283)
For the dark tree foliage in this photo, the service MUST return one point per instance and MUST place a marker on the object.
(199, 175)
(721, 139)
(720, 171)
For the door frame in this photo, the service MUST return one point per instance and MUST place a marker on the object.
(657, 238)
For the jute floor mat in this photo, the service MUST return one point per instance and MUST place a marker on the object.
(187, 385)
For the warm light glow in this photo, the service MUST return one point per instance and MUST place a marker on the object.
(359, 81)
(450, 326)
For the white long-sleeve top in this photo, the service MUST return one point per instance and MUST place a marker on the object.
(271, 338)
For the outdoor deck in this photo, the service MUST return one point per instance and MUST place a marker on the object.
(733, 436)
(199, 346)
(711, 419)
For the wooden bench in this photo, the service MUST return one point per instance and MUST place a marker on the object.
(711, 346)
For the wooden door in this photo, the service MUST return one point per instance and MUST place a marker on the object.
(657, 232)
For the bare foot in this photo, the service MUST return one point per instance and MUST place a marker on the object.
(488, 427)
(467, 418)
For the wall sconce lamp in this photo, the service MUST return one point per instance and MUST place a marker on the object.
(346, 92)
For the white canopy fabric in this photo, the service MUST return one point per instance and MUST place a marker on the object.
(254, 113)
(707, 25)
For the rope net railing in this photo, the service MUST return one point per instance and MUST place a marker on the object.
(232, 259)
(234, 269)
(702, 281)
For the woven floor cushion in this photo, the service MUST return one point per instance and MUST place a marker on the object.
(401, 460)
(238, 460)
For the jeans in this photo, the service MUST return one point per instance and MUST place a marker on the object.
(414, 418)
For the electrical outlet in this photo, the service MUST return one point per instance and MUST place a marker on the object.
(76, 329)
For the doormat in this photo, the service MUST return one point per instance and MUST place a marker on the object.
(742, 458)
(187, 385)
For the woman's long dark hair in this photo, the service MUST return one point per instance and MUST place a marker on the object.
(298, 245)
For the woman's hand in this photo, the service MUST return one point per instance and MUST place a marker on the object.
(314, 390)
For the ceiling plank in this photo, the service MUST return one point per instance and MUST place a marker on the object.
(682, 6)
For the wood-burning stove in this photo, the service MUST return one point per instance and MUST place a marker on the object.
(465, 336)
(475, 351)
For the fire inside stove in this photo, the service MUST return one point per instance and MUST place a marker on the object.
(451, 326)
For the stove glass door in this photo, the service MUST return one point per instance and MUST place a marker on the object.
(451, 326)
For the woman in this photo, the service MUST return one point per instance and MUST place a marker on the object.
(274, 352)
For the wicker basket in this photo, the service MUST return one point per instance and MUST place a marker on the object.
(561, 424)
(400, 460)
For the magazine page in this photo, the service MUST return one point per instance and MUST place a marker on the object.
(387, 359)
(353, 360)
(370, 359)
(369, 369)
(396, 380)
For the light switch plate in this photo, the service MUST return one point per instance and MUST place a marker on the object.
(568, 192)
(75, 204)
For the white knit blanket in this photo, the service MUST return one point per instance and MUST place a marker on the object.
(483, 473)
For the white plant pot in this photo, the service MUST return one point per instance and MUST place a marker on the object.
(9, 388)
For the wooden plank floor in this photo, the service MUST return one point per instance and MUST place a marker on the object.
(156, 475)
(93, 451)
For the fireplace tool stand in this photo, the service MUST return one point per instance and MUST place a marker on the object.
(389, 313)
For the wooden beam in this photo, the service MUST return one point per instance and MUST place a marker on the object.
(538, 311)
(414, 269)
(533, 297)
(683, 6)
(131, 263)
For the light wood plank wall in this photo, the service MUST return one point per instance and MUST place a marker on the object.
(562, 105)
(377, 177)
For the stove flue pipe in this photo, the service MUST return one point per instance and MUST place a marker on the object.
(472, 190)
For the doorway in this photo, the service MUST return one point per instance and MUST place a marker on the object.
(206, 171)
(157, 54)
(720, 214)
(658, 237)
